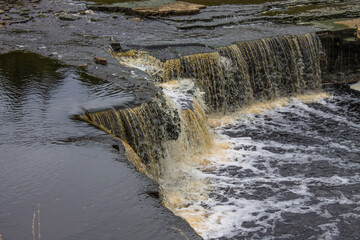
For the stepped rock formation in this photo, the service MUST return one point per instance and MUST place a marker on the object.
(232, 77)
(165, 135)
(146, 132)
(245, 72)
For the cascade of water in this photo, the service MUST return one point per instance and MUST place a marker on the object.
(155, 131)
(169, 139)
(142, 128)
(245, 72)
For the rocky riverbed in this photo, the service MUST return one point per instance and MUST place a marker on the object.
(73, 33)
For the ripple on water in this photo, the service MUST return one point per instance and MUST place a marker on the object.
(67, 166)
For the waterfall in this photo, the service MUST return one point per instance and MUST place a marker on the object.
(169, 138)
(257, 70)
(155, 131)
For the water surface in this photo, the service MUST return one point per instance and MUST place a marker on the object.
(85, 188)
(293, 173)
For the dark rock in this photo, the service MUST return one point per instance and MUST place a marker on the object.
(341, 58)
(95, 19)
(99, 60)
(153, 194)
(116, 47)
(115, 146)
(250, 225)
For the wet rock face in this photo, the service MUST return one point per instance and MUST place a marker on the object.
(238, 74)
(145, 128)
(352, 23)
(342, 51)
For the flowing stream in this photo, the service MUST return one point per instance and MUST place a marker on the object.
(282, 170)
(245, 143)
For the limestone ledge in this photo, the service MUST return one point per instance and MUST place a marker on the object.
(148, 9)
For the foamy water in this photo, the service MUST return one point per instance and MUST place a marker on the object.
(356, 86)
(289, 171)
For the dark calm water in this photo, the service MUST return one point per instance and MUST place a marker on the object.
(86, 189)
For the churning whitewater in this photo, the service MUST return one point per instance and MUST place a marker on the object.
(244, 143)
(288, 172)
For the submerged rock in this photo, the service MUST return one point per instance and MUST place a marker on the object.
(68, 17)
(137, 19)
(99, 60)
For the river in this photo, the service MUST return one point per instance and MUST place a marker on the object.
(67, 170)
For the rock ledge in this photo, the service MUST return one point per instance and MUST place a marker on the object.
(177, 8)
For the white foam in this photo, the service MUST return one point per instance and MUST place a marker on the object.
(356, 86)
(250, 194)
(330, 231)
(238, 211)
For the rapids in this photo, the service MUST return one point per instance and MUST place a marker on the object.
(291, 172)
(245, 143)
